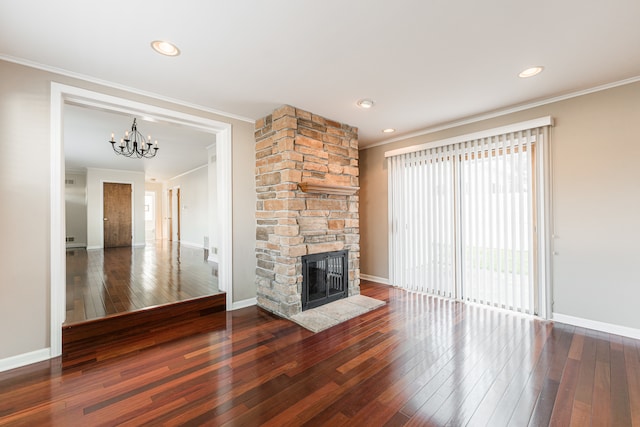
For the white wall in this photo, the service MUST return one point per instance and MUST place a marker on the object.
(75, 206)
(95, 224)
(194, 205)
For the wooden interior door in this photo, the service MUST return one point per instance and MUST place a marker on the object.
(117, 214)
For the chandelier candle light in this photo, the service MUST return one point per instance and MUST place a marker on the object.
(134, 144)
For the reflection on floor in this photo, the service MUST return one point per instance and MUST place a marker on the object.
(101, 283)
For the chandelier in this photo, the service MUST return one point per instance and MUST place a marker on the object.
(134, 144)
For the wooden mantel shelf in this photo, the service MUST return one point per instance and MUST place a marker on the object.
(341, 190)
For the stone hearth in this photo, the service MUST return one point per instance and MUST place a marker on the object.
(307, 182)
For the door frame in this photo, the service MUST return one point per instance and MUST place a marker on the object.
(173, 207)
(62, 94)
(151, 194)
(169, 217)
(175, 214)
(133, 207)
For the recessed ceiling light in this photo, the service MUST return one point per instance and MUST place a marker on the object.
(165, 48)
(530, 72)
(388, 130)
(365, 103)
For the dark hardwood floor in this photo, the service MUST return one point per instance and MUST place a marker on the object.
(102, 283)
(418, 360)
(123, 333)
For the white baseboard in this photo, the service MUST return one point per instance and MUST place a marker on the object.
(76, 245)
(25, 359)
(374, 279)
(609, 328)
(134, 245)
(244, 303)
(191, 245)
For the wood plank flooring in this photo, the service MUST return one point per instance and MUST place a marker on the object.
(418, 360)
(131, 332)
(105, 282)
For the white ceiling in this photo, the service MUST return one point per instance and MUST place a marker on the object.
(87, 132)
(424, 62)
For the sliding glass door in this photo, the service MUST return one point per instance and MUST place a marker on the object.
(424, 246)
(497, 205)
(464, 220)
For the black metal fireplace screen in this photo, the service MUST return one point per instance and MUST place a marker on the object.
(325, 278)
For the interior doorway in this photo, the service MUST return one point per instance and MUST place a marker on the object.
(173, 202)
(150, 216)
(62, 95)
(176, 217)
(117, 218)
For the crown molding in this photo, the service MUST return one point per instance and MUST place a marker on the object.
(117, 171)
(112, 85)
(187, 172)
(504, 112)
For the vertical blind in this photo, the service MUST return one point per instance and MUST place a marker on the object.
(423, 226)
(464, 219)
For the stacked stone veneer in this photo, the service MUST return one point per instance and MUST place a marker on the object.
(292, 147)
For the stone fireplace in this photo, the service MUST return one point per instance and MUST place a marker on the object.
(306, 183)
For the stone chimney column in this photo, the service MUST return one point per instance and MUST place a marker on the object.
(306, 183)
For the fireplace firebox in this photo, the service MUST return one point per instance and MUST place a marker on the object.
(325, 278)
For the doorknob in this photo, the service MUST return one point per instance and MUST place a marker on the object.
(106, 219)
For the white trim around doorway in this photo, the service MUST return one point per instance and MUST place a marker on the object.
(61, 94)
